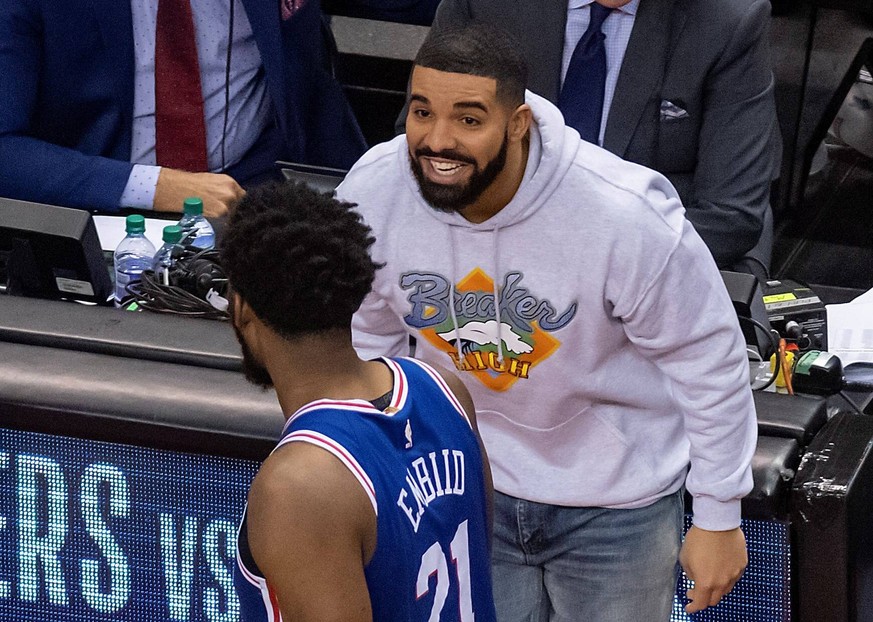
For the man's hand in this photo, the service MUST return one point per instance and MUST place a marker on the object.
(219, 192)
(715, 561)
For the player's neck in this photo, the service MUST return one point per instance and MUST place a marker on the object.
(323, 367)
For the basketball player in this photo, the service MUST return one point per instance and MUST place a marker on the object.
(375, 504)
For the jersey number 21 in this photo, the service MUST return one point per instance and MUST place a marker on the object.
(434, 562)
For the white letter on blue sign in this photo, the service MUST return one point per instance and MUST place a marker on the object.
(95, 523)
(218, 557)
(178, 572)
(5, 586)
(41, 551)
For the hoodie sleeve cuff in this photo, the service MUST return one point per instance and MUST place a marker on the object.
(714, 515)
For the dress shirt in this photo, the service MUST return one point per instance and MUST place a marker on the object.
(249, 110)
(617, 29)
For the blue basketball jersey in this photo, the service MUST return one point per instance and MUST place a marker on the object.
(419, 463)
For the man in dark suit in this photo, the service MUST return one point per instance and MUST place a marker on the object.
(78, 117)
(692, 99)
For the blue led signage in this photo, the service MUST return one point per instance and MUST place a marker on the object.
(94, 531)
(101, 531)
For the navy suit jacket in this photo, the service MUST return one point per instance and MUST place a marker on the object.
(66, 96)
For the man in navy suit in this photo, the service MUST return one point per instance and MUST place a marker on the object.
(77, 120)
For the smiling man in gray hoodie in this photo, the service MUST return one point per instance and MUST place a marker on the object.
(589, 322)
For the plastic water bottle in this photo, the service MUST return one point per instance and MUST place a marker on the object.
(196, 230)
(133, 255)
(163, 261)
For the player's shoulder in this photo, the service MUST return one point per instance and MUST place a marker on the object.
(437, 373)
(296, 466)
(300, 495)
(300, 475)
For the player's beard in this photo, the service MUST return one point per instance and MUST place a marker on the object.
(254, 372)
(454, 197)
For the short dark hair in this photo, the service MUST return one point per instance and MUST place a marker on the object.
(298, 257)
(478, 49)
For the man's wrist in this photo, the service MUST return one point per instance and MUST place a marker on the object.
(139, 193)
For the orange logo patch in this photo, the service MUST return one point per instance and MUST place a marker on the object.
(479, 335)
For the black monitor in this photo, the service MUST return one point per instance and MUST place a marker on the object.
(51, 252)
(319, 178)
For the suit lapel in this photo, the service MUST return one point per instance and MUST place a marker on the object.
(641, 71)
(545, 28)
(116, 29)
(264, 18)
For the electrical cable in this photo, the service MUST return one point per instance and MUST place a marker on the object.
(774, 341)
(197, 273)
(786, 367)
(171, 299)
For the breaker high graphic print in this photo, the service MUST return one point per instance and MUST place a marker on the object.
(497, 352)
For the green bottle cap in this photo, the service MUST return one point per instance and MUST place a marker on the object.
(193, 205)
(172, 234)
(134, 223)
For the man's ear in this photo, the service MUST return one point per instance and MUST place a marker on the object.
(241, 312)
(520, 122)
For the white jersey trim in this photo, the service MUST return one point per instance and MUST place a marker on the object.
(401, 386)
(361, 406)
(400, 391)
(270, 608)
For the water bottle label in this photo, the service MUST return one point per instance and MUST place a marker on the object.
(73, 286)
(123, 278)
(196, 231)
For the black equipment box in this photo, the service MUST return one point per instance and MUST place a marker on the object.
(788, 301)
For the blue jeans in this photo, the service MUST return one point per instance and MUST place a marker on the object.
(556, 563)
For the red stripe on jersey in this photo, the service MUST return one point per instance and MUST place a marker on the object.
(362, 405)
(274, 603)
(359, 406)
(247, 574)
(400, 392)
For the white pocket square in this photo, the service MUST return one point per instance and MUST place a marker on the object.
(672, 112)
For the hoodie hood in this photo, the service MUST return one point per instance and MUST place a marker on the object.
(552, 149)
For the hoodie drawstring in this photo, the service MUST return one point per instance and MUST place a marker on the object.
(495, 232)
(452, 311)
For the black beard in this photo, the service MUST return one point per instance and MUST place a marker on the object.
(452, 198)
(254, 372)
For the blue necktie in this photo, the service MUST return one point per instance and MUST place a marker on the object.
(581, 99)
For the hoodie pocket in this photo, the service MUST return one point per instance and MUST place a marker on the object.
(583, 460)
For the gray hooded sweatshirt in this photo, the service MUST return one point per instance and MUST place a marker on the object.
(613, 369)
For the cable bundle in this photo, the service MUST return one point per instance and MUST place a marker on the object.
(195, 289)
